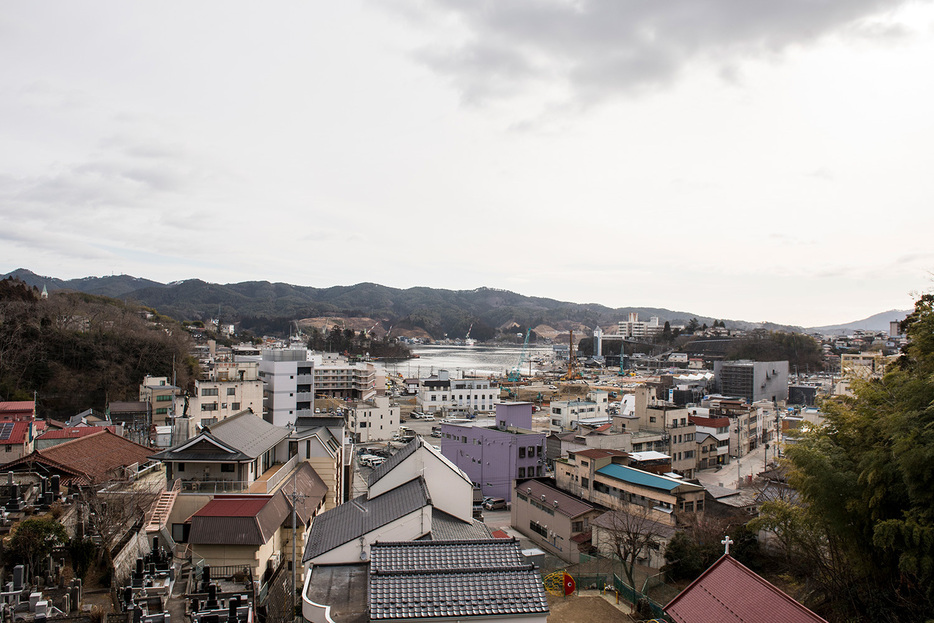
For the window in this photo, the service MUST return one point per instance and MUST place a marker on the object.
(585, 482)
(162, 411)
(227, 467)
(651, 418)
(9, 448)
(235, 406)
(209, 391)
(521, 452)
(538, 470)
(577, 526)
(231, 391)
(700, 505)
(209, 406)
(521, 472)
(538, 528)
(164, 398)
(181, 467)
(689, 507)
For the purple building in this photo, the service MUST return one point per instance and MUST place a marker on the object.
(494, 453)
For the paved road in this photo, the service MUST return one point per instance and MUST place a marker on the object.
(730, 475)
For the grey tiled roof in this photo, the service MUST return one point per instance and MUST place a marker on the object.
(446, 527)
(430, 579)
(249, 433)
(386, 466)
(359, 516)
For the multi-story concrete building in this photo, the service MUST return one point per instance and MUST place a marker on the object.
(605, 479)
(633, 327)
(289, 385)
(717, 428)
(335, 377)
(229, 389)
(554, 521)
(372, 420)
(458, 397)
(162, 397)
(675, 427)
(753, 380)
(496, 453)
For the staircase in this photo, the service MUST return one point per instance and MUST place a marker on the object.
(163, 507)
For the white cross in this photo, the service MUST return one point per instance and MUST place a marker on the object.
(727, 542)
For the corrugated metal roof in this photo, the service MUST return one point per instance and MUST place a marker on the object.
(239, 519)
(644, 479)
(359, 516)
(568, 505)
(728, 591)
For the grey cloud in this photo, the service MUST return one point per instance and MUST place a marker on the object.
(599, 48)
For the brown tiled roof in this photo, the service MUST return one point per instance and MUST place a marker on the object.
(567, 504)
(599, 453)
(728, 591)
(99, 455)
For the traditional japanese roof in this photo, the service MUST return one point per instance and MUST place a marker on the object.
(445, 527)
(239, 519)
(239, 438)
(360, 516)
(249, 433)
(433, 579)
(73, 432)
(567, 504)
(644, 479)
(729, 591)
(408, 450)
(94, 459)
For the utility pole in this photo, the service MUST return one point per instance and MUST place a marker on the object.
(295, 497)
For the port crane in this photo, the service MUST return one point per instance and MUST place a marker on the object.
(515, 374)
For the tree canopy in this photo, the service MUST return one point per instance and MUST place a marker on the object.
(862, 536)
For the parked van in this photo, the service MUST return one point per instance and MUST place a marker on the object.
(494, 504)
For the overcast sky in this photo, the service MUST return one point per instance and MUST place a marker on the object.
(743, 159)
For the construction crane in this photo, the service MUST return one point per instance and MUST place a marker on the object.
(515, 374)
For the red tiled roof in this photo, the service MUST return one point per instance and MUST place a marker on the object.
(17, 410)
(19, 433)
(73, 432)
(603, 428)
(728, 591)
(499, 534)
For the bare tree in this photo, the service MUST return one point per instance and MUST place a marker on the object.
(630, 535)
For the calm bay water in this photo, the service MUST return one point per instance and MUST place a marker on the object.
(469, 360)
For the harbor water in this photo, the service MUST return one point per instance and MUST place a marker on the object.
(468, 361)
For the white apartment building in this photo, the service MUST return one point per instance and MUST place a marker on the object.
(335, 377)
(229, 389)
(638, 328)
(289, 385)
(372, 420)
(465, 396)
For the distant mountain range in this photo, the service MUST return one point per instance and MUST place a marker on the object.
(438, 312)
(877, 322)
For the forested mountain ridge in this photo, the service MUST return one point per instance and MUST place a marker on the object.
(261, 306)
(75, 351)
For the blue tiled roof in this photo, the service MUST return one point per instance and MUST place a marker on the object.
(641, 478)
